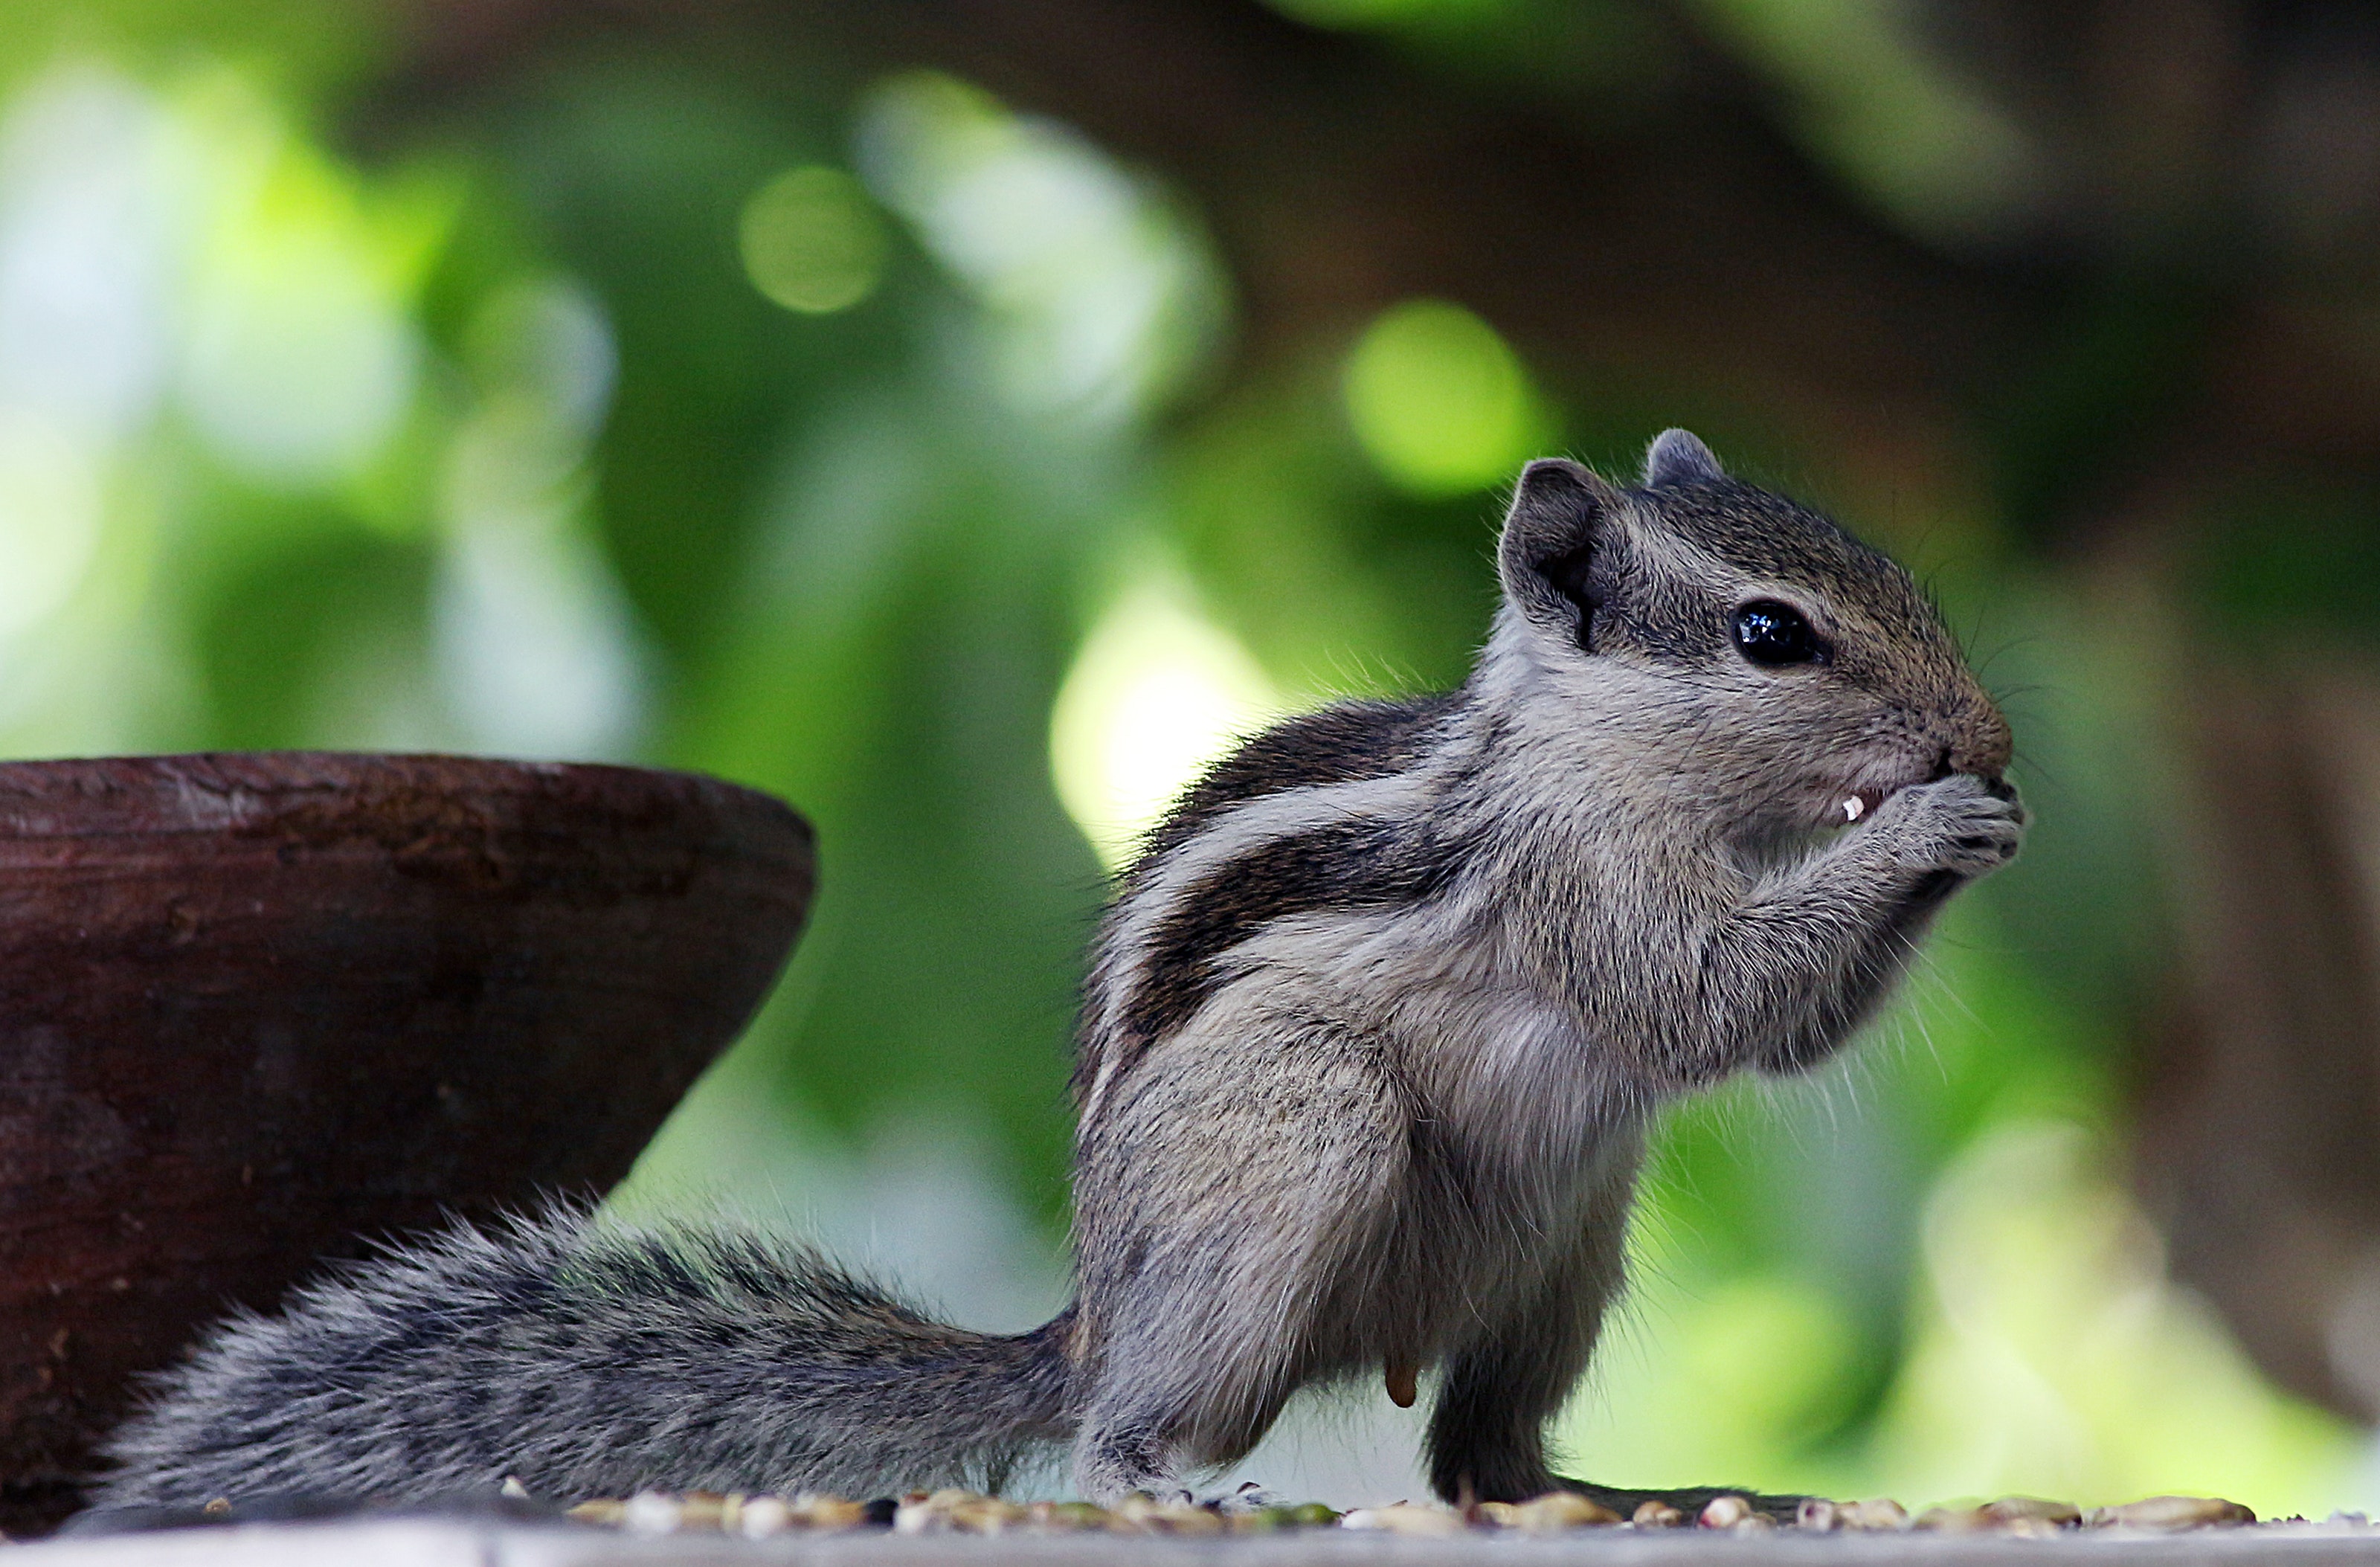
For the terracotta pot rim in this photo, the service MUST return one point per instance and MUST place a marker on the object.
(71, 797)
(294, 759)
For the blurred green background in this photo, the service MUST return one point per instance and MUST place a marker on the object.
(961, 421)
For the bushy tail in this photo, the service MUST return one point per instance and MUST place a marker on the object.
(585, 1362)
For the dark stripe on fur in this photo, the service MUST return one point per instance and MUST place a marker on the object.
(1341, 743)
(1338, 745)
(1348, 865)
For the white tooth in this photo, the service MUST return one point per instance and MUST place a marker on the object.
(1853, 808)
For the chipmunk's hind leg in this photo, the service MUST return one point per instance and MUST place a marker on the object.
(1117, 1455)
(1220, 1213)
(1486, 1436)
(1487, 1432)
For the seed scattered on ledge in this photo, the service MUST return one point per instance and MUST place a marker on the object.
(1878, 1513)
(1726, 1513)
(2171, 1512)
(1551, 1511)
(1405, 1518)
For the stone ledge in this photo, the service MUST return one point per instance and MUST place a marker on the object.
(433, 1543)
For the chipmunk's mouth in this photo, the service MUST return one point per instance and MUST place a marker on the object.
(1859, 801)
(1859, 805)
(1854, 806)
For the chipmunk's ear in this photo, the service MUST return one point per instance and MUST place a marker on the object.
(1561, 514)
(1676, 457)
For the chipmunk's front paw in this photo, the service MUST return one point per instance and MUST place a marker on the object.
(1956, 828)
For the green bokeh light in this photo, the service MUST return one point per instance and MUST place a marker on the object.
(1439, 402)
(812, 241)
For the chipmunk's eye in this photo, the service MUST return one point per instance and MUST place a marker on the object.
(1771, 633)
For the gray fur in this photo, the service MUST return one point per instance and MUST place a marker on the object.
(570, 1355)
(1371, 1034)
(1678, 456)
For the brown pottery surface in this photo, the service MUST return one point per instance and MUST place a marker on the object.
(254, 1007)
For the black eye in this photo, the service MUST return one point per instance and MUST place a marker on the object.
(1771, 633)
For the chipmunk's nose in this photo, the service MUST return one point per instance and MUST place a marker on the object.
(1982, 742)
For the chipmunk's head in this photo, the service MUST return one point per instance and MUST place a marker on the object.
(1745, 653)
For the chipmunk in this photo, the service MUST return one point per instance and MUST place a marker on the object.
(1372, 1033)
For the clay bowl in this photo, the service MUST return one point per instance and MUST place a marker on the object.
(256, 1010)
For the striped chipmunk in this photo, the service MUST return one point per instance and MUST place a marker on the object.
(1372, 1032)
